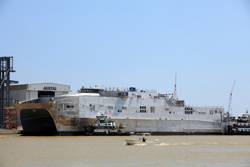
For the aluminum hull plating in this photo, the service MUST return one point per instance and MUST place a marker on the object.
(79, 125)
(134, 111)
(155, 126)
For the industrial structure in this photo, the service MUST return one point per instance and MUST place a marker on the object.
(6, 67)
(11, 93)
(26, 92)
(239, 125)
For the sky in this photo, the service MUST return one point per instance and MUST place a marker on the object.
(137, 43)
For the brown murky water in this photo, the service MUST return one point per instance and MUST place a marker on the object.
(93, 151)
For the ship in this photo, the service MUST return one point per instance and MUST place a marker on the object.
(113, 111)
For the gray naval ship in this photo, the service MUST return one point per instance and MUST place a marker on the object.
(96, 110)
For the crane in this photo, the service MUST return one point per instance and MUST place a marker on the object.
(230, 98)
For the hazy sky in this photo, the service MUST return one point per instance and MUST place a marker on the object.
(133, 43)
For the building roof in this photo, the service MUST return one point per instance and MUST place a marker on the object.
(41, 87)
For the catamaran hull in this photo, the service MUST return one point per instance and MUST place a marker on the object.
(155, 126)
(42, 121)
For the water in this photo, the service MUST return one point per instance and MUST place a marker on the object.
(93, 151)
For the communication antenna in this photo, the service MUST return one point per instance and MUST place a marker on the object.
(230, 98)
(175, 87)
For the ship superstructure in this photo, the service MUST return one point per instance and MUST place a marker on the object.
(129, 111)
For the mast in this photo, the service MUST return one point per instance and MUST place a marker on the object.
(230, 98)
(175, 88)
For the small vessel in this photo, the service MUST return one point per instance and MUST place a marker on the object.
(104, 125)
(132, 141)
(142, 138)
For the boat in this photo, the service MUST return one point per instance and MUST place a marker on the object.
(125, 111)
(142, 138)
(104, 125)
(132, 141)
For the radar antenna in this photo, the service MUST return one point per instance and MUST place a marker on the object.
(230, 98)
(175, 88)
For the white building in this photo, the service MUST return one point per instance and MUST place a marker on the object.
(24, 92)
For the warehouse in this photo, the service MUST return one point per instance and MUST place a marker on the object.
(24, 92)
